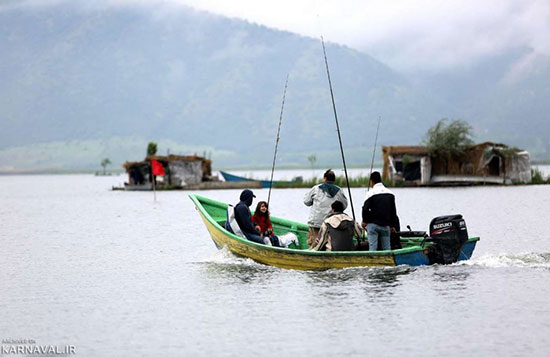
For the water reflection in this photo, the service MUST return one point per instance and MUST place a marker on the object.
(239, 273)
(451, 279)
(353, 275)
(382, 282)
(347, 283)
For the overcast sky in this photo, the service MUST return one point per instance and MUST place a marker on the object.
(406, 34)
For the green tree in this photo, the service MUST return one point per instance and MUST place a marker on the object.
(104, 164)
(312, 159)
(448, 139)
(151, 148)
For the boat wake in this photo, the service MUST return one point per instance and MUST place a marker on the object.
(225, 257)
(225, 264)
(505, 260)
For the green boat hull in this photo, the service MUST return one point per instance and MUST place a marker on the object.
(214, 213)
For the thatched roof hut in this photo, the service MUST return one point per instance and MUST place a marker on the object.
(482, 163)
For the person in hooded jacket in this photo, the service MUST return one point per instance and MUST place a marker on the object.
(337, 231)
(244, 218)
(320, 198)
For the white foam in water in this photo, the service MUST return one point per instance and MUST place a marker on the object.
(503, 260)
(224, 256)
(521, 260)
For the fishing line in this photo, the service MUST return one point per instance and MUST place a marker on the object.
(277, 142)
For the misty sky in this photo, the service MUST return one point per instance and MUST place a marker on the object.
(408, 35)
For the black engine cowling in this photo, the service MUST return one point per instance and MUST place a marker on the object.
(449, 234)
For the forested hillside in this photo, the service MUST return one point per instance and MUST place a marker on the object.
(78, 76)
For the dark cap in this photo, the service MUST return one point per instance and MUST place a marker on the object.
(246, 195)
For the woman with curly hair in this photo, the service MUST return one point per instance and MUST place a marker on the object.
(262, 223)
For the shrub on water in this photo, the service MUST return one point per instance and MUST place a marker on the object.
(537, 177)
(360, 181)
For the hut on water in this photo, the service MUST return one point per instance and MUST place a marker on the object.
(180, 171)
(485, 163)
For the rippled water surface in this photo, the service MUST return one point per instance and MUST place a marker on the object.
(118, 274)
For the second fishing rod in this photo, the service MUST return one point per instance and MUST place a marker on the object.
(338, 129)
(277, 141)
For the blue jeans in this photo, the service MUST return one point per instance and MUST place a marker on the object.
(375, 233)
(275, 241)
(254, 237)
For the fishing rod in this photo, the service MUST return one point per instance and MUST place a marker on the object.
(373, 151)
(338, 128)
(277, 142)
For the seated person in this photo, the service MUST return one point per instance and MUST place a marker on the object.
(263, 224)
(337, 231)
(244, 219)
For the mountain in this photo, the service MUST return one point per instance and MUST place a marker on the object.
(504, 97)
(75, 76)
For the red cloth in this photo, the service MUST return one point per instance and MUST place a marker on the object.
(158, 169)
(263, 222)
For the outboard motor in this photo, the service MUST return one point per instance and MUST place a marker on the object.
(449, 234)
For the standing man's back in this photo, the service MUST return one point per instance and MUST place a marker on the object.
(320, 198)
(379, 213)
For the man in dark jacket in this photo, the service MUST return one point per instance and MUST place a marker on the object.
(244, 219)
(379, 213)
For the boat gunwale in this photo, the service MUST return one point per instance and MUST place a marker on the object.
(197, 199)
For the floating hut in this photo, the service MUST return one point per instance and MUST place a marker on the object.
(180, 171)
(485, 163)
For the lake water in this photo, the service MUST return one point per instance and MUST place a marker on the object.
(117, 274)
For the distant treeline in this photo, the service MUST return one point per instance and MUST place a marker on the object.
(360, 181)
(537, 178)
